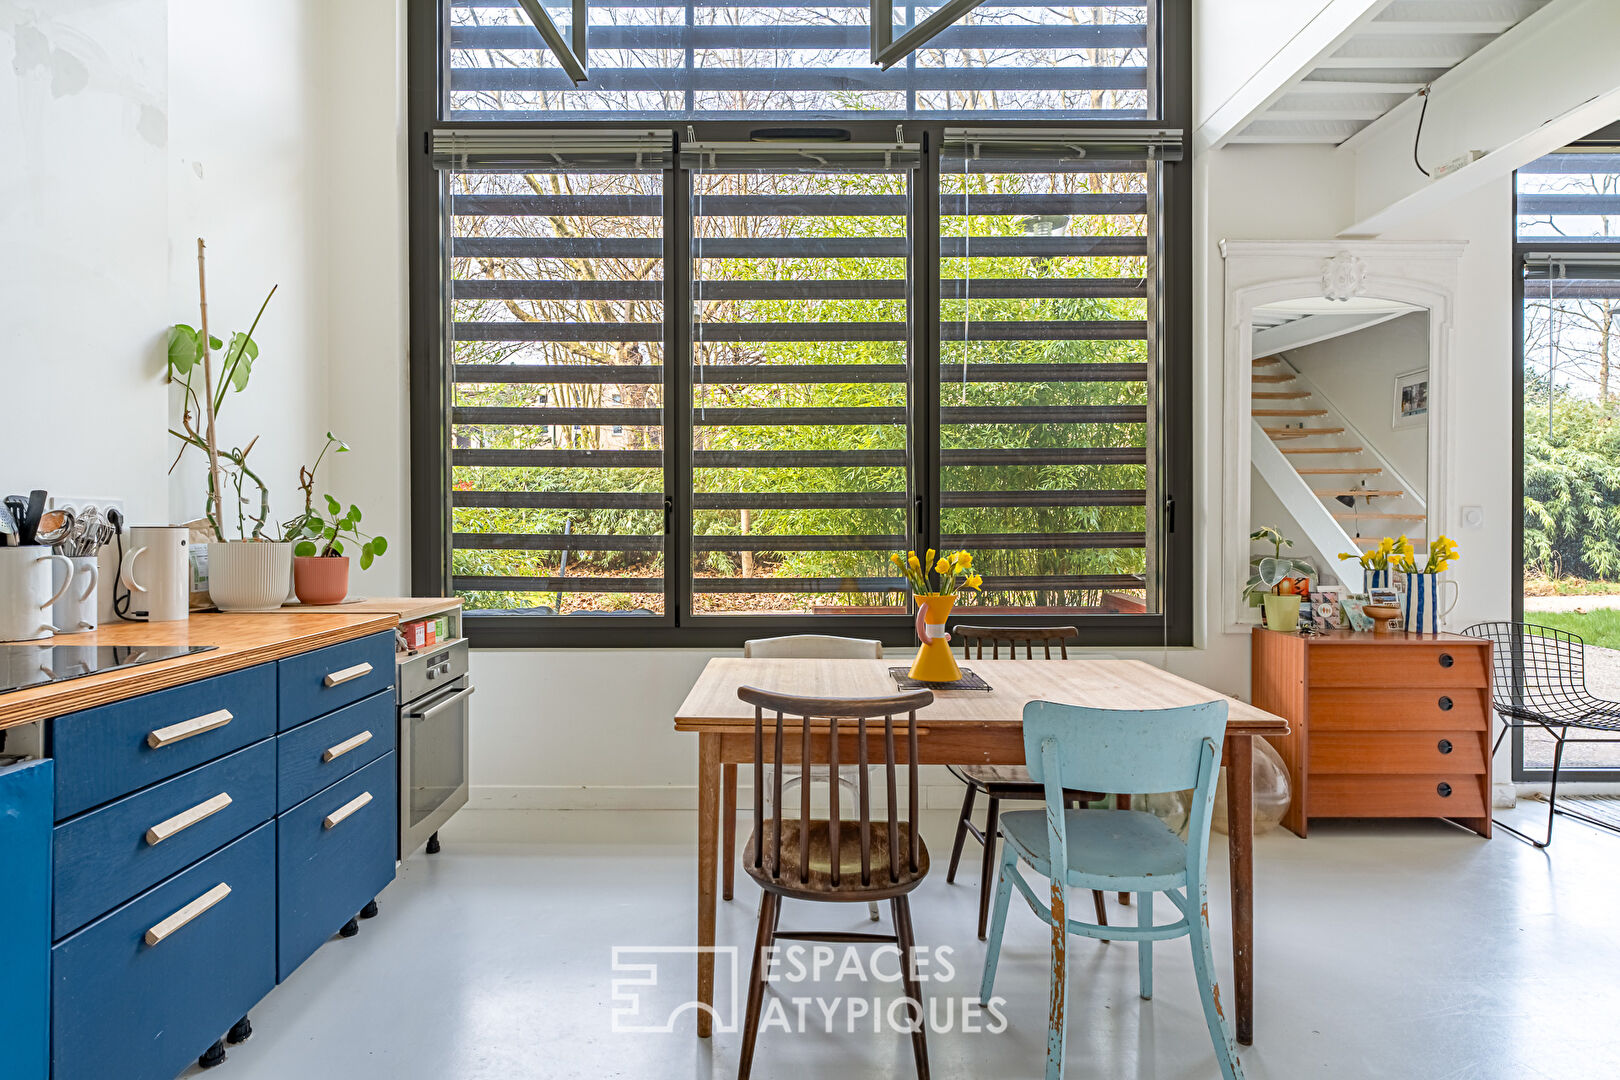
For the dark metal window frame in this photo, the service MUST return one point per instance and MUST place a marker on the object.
(430, 377)
(1521, 248)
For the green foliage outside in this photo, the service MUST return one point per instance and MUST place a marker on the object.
(1571, 487)
(1600, 626)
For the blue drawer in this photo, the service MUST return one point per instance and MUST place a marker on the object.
(108, 855)
(106, 752)
(25, 915)
(327, 873)
(122, 1007)
(324, 751)
(314, 683)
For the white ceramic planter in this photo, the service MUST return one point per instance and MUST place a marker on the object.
(249, 576)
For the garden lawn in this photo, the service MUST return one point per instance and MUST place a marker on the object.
(1600, 626)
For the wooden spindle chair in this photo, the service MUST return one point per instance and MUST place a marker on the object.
(832, 859)
(1004, 783)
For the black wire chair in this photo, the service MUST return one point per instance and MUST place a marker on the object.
(1539, 679)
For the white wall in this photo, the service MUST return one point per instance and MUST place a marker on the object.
(83, 248)
(1233, 38)
(1356, 373)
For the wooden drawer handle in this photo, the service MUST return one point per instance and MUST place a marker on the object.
(185, 729)
(337, 678)
(1444, 746)
(332, 753)
(187, 913)
(1444, 789)
(187, 818)
(1446, 660)
(337, 817)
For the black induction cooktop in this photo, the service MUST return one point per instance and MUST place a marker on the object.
(25, 664)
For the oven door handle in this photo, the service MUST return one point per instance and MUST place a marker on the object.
(441, 705)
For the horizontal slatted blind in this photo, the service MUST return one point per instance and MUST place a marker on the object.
(1573, 194)
(1048, 376)
(717, 58)
(799, 385)
(557, 454)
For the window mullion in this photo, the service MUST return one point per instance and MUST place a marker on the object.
(678, 391)
(923, 276)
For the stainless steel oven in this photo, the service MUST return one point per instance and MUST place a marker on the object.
(432, 690)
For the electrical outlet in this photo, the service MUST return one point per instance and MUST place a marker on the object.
(100, 502)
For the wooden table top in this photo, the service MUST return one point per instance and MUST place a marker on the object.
(713, 705)
(241, 641)
(1368, 637)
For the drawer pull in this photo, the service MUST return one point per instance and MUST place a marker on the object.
(1444, 789)
(185, 729)
(336, 817)
(187, 913)
(1445, 703)
(332, 753)
(187, 818)
(1445, 746)
(1446, 660)
(337, 678)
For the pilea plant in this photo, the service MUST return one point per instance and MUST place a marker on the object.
(325, 536)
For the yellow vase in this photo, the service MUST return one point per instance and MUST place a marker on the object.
(934, 663)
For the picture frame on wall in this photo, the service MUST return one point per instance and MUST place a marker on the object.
(1411, 406)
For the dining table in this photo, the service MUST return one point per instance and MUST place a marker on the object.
(961, 727)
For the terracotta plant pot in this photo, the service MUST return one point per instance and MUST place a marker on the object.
(319, 580)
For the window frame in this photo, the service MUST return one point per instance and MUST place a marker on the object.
(431, 379)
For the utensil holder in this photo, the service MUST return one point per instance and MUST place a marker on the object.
(77, 589)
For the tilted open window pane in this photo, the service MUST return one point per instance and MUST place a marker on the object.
(1571, 195)
(801, 58)
(799, 390)
(1047, 382)
(557, 311)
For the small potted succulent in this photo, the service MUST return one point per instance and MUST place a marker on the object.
(1271, 578)
(320, 567)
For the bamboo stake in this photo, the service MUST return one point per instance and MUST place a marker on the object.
(216, 490)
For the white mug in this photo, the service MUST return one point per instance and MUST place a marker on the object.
(157, 573)
(25, 591)
(75, 608)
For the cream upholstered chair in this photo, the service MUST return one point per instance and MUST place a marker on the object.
(794, 647)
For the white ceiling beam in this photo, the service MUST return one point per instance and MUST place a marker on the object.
(1333, 25)
(1440, 27)
(1352, 86)
(1550, 80)
(1313, 328)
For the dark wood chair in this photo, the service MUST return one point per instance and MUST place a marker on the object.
(834, 860)
(1004, 783)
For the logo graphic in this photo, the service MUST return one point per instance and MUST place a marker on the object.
(645, 1000)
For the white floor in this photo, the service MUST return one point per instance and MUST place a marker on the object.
(1384, 950)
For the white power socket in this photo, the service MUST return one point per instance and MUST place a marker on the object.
(100, 502)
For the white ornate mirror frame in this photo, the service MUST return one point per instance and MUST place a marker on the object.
(1265, 272)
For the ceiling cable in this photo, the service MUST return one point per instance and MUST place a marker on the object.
(1424, 94)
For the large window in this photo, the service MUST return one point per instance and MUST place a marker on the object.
(690, 371)
(1567, 263)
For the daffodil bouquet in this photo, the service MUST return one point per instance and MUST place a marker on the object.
(952, 571)
(1387, 555)
(1442, 553)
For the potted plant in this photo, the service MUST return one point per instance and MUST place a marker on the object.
(320, 568)
(252, 571)
(1270, 576)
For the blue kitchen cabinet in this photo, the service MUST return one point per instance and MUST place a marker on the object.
(25, 913)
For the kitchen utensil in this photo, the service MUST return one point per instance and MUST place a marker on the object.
(8, 529)
(87, 532)
(157, 573)
(36, 510)
(26, 594)
(75, 608)
(17, 507)
(54, 527)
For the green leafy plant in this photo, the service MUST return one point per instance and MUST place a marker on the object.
(324, 536)
(296, 528)
(1271, 571)
(190, 360)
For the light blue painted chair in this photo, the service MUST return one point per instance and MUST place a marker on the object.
(1136, 753)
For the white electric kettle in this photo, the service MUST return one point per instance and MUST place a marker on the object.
(157, 573)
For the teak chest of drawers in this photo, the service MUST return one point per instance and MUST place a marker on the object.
(1380, 725)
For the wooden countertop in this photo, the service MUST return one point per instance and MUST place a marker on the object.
(407, 608)
(241, 641)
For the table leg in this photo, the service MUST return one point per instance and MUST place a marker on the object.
(1240, 834)
(728, 828)
(708, 843)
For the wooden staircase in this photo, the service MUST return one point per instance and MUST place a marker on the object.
(1354, 495)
